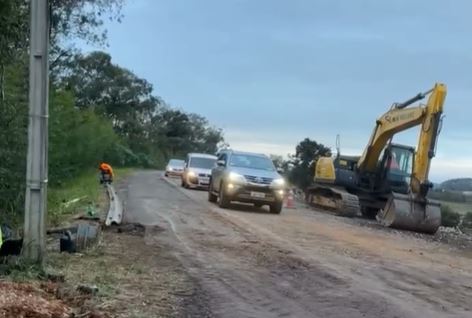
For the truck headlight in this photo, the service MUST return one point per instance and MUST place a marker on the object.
(278, 183)
(191, 174)
(236, 177)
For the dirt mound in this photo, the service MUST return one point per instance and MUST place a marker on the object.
(31, 300)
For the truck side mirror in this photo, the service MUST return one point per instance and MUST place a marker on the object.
(221, 163)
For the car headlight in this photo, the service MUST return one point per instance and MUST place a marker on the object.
(280, 182)
(236, 177)
(191, 174)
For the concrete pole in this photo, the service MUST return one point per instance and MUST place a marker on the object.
(37, 161)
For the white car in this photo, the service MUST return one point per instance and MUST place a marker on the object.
(197, 170)
(175, 167)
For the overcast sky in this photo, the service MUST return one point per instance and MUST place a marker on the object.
(272, 72)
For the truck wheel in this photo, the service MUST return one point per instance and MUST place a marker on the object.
(224, 200)
(276, 207)
(211, 197)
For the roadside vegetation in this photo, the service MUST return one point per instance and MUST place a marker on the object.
(99, 111)
(81, 193)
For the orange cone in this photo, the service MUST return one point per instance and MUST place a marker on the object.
(289, 201)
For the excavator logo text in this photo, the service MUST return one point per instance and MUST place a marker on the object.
(394, 119)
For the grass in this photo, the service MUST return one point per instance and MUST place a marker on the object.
(76, 194)
(460, 207)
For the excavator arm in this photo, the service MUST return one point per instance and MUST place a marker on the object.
(427, 140)
(401, 117)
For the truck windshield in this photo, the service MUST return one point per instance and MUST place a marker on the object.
(203, 163)
(253, 162)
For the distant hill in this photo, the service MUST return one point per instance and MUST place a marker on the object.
(461, 184)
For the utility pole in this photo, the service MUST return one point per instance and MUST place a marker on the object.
(37, 160)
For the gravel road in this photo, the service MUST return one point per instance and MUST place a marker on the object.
(301, 263)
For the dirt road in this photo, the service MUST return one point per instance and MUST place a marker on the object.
(249, 263)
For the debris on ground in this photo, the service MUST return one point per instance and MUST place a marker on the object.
(31, 300)
(87, 289)
(131, 229)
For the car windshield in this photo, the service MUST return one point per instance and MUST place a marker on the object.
(203, 163)
(176, 163)
(253, 162)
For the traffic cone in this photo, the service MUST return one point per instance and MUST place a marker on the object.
(289, 201)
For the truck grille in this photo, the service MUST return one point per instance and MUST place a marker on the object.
(204, 175)
(258, 180)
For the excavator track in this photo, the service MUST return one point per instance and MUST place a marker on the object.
(335, 200)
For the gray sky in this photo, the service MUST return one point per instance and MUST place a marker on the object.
(272, 72)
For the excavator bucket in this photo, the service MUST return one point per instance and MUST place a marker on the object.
(404, 212)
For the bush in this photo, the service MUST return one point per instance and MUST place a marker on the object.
(449, 217)
(78, 139)
(467, 221)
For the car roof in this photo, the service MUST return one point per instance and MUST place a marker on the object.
(201, 155)
(237, 152)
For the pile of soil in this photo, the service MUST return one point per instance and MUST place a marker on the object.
(31, 300)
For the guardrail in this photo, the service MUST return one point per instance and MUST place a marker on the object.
(115, 211)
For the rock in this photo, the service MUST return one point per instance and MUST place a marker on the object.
(87, 290)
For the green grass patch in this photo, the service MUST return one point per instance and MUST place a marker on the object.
(460, 207)
(449, 217)
(467, 221)
(76, 194)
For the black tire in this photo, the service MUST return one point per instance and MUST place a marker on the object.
(182, 183)
(224, 201)
(211, 196)
(276, 207)
(258, 205)
(166, 174)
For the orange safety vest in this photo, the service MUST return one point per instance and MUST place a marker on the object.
(106, 168)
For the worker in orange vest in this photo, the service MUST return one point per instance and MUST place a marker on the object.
(106, 173)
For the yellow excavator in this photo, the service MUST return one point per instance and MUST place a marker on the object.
(389, 181)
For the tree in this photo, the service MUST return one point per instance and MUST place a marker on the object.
(13, 133)
(113, 92)
(176, 133)
(306, 155)
(14, 40)
(78, 19)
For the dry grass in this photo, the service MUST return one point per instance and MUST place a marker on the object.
(134, 279)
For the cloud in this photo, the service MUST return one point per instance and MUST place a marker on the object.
(274, 72)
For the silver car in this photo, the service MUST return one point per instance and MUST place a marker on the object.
(197, 170)
(246, 177)
(174, 167)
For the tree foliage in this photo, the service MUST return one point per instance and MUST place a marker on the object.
(449, 217)
(138, 116)
(98, 110)
(303, 162)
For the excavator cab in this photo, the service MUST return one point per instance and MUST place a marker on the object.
(396, 168)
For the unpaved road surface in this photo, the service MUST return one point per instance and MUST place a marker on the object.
(247, 262)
